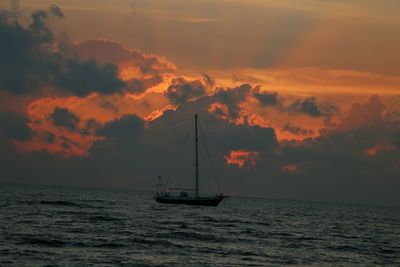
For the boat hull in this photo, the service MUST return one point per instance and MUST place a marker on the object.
(195, 201)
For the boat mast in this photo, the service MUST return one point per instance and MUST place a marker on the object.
(197, 156)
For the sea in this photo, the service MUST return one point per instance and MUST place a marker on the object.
(64, 226)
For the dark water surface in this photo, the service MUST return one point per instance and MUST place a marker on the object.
(56, 226)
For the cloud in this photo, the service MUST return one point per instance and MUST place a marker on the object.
(363, 131)
(290, 168)
(246, 137)
(138, 86)
(221, 132)
(242, 158)
(219, 110)
(106, 51)
(311, 107)
(64, 118)
(109, 105)
(308, 106)
(126, 126)
(182, 90)
(84, 78)
(24, 62)
(232, 98)
(14, 126)
(56, 11)
(267, 98)
(50, 138)
(30, 58)
(208, 80)
(363, 114)
(138, 70)
(297, 130)
(397, 138)
(317, 168)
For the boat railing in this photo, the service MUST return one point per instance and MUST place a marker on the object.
(181, 189)
(185, 194)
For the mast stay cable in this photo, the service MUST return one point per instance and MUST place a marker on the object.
(209, 158)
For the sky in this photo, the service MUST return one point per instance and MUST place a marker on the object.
(297, 99)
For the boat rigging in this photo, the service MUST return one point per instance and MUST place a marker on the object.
(167, 197)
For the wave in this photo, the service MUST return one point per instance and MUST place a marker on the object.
(48, 202)
(44, 242)
(110, 245)
(232, 222)
(58, 203)
(343, 248)
(192, 236)
(104, 218)
(58, 243)
(153, 242)
(62, 203)
(387, 251)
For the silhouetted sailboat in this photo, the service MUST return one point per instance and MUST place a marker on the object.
(183, 197)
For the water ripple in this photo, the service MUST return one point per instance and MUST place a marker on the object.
(57, 226)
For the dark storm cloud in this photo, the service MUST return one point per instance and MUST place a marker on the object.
(363, 128)
(267, 98)
(342, 156)
(397, 138)
(137, 86)
(235, 137)
(126, 126)
(232, 98)
(232, 95)
(28, 60)
(133, 149)
(14, 126)
(338, 162)
(311, 107)
(24, 62)
(84, 78)
(182, 90)
(106, 51)
(308, 106)
(64, 118)
(221, 133)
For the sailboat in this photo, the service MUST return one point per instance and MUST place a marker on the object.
(168, 197)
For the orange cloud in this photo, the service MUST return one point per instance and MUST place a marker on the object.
(132, 63)
(372, 151)
(363, 114)
(159, 112)
(155, 74)
(67, 144)
(290, 168)
(95, 107)
(251, 116)
(219, 110)
(241, 158)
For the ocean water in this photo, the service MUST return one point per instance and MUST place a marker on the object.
(55, 226)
